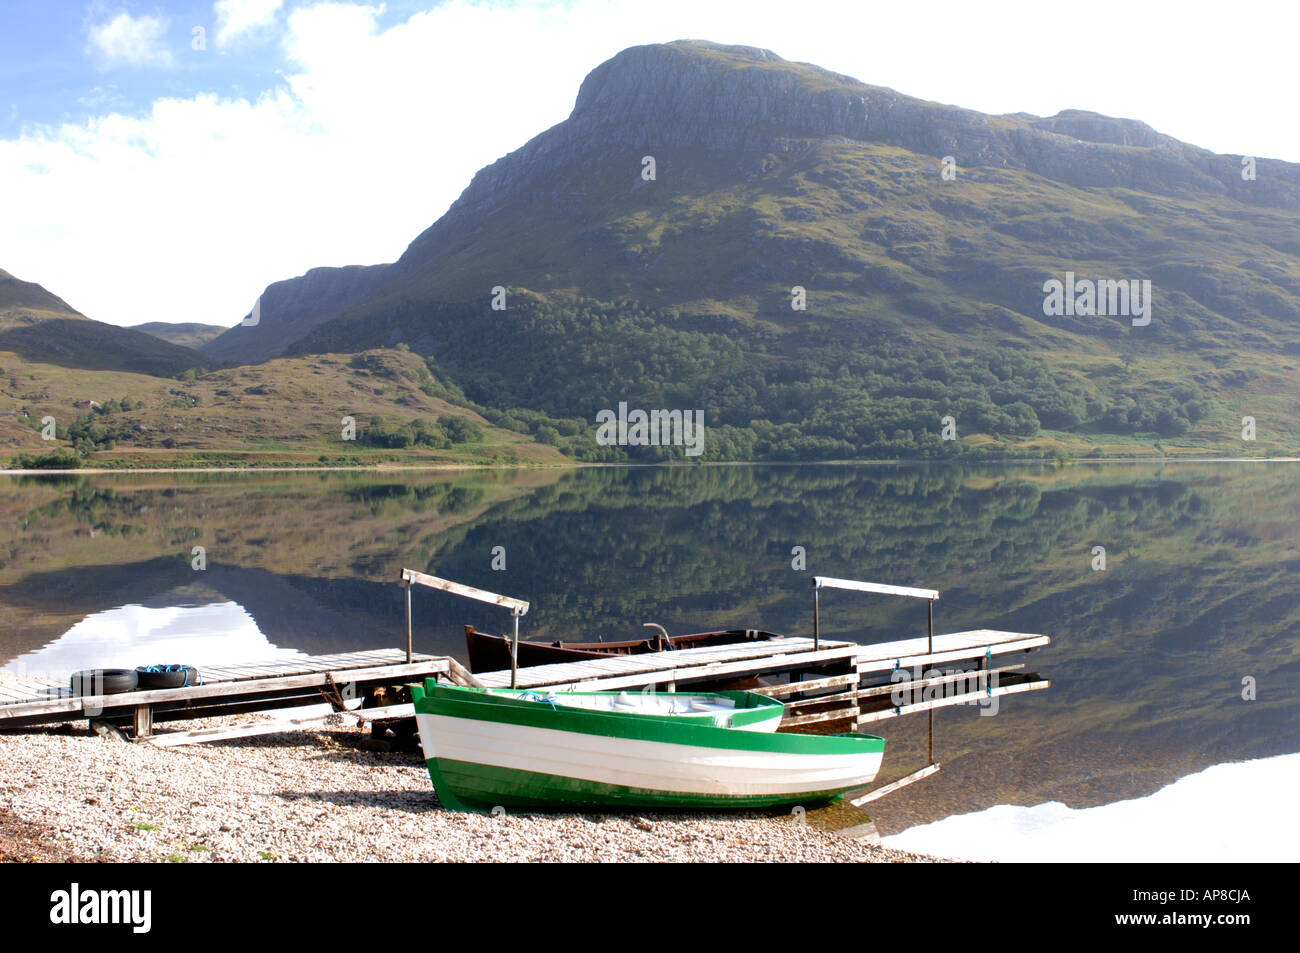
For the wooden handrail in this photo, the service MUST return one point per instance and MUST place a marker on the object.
(830, 582)
(517, 606)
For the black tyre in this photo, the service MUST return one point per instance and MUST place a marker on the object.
(103, 681)
(168, 676)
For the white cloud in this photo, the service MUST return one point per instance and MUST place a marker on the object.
(131, 41)
(239, 18)
(187, 211)
(133, 635)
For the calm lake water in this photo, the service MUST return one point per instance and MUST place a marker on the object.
(1143, 748)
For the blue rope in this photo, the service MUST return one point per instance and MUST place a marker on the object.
(534, 697)
(166, 669)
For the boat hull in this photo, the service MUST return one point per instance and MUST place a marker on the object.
(482, 756)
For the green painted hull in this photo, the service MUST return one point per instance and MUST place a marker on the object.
(485, 752)
(467, 786)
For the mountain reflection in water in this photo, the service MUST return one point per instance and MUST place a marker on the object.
(1148, 659)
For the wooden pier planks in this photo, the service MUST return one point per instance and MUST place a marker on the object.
(231, 685)
(953, 647)
(682, 665)
(279, 726)
(839, 695)
(625, 671)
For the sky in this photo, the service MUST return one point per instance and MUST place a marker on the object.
(165, 161)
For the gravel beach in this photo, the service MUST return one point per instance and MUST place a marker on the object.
(320, 795)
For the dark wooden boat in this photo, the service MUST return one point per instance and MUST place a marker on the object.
(491, 653)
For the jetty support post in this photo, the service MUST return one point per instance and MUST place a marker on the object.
(514, 651)
(817, 621)
(143, 721)
(929, 642)
(407, 586)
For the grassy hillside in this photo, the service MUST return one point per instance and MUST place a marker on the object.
(126, 398)
(835, 395)
(289, 410)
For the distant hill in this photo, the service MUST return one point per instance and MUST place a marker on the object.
(367, 408)
(924, 291)
(124, 397)
(191, 335)
(39, 326)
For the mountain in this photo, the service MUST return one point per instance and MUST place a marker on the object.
(925, 291)
(290, 309)
(191, 335)
(26, 296)
(39, 326)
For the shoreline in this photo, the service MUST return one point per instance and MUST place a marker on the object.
(327, 795)
(436, 467)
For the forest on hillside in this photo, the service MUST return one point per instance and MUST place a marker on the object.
(765, 396)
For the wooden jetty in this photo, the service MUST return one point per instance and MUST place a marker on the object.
(229, 689)
(826, 685)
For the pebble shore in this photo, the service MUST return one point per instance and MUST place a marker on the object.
(320, 795)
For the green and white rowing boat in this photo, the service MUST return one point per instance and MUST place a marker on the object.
(486, 749)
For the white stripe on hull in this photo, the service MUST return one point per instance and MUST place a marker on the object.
(632, 762)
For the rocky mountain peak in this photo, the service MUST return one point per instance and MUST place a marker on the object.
(719, 112)
(1094, 127)
(701, 95)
